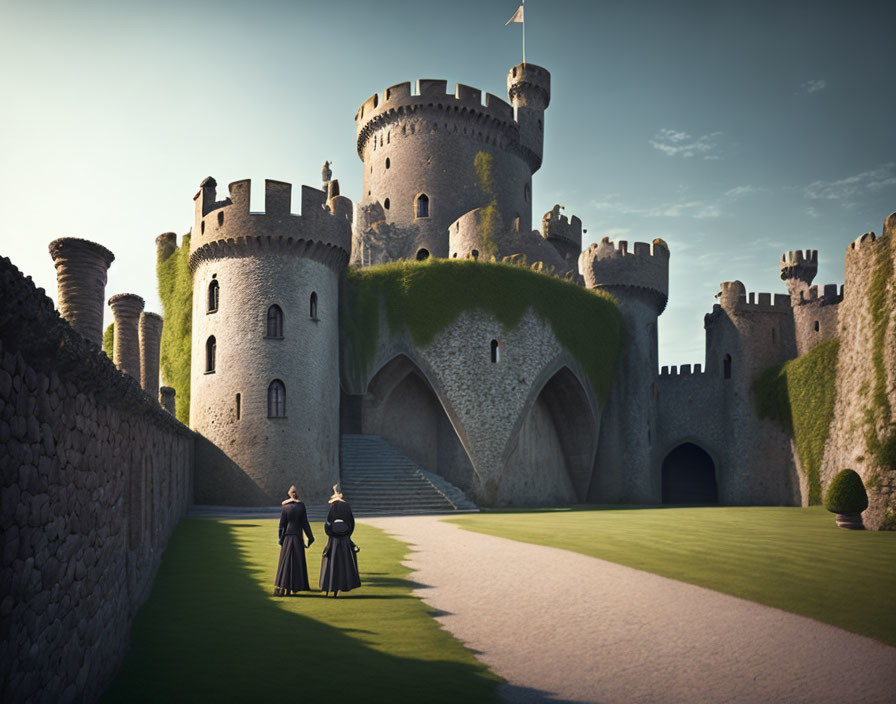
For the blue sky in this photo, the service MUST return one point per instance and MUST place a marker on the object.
(732, 130)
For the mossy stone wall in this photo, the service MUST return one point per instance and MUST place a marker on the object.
(176, 293)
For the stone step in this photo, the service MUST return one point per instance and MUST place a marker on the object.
(378, 480)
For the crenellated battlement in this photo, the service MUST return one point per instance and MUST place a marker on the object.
(829, 294)
(798, 268)
(866, 240)
(733, 297)
(399, 102)
(221, 225)
(555, 225)
(616, 265)
(685, 370)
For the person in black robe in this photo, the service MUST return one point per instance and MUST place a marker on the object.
(339, 564)
(292, 573)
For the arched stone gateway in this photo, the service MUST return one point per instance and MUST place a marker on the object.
(689, 476)
(555, 446)
(402, 407)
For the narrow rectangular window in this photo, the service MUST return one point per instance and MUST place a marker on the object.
(238, 406)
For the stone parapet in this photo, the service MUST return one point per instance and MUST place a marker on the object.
(227, 228)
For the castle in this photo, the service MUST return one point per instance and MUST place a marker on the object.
(508, 413)
(511, 366)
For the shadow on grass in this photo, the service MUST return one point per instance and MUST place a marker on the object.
(210, 633)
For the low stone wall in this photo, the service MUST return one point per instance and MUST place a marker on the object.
(95, 476)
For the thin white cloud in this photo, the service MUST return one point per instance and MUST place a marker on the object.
(677, 143)
(692, 208)
(697, 209)
(812, 212)
(740, 191)
(845, 190)
(814, 86)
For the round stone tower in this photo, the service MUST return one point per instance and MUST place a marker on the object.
(639, 280)
(265, 349)
(430, 157)
(126, 309)
(81, 268)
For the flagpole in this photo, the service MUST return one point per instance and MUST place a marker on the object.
(523, 5)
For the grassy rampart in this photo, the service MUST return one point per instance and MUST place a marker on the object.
(427, 296)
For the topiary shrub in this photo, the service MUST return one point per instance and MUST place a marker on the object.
(846, 493)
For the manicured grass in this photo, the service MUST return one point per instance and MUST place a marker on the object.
(794, 559)
(211, 631)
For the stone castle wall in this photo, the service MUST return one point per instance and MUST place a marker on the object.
(521, 430)
(861, 418)
(95, 476)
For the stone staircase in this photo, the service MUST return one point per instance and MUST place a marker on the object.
(378, 480)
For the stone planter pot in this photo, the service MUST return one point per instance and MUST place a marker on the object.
(853, 521)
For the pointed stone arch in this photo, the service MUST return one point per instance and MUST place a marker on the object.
(403, 406)
(554, 446)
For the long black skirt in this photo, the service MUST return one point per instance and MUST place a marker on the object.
(292, 574)
(339, 566)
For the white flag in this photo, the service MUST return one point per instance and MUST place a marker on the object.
(517, 16)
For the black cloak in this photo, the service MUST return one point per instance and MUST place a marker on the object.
(292, 574)
(339, 565)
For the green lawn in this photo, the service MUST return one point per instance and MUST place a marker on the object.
(794, 559)
(212, 631)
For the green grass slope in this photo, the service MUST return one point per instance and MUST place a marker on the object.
(799, 395)
(212, 631)
(176, 293)
(794, 559)
(427, 296)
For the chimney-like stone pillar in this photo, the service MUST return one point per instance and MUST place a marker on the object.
(126, 308)
(167, 399)
(81, 268)
(150, 340)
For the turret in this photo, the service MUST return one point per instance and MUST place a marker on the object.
(798, 269)
(642, 271)
(168, 399)
(430, 156)
(81, 268)
(166, 245)
(638, 277)
(150, 341)
(265, 347)
(126, 309)
(529, 91)
(565, 234)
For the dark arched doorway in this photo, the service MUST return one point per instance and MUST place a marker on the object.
(689, 476)
(402, 407)
(554, 449)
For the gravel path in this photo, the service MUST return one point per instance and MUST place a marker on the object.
(559, 626)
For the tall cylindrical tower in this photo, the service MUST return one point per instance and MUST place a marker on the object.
(150, 340)
(126, 309)
(81, 268)
(639, 280)
(265, 359)
(430, 157)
